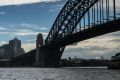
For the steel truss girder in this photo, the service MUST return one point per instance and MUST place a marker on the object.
(61, 17)
(67, 20)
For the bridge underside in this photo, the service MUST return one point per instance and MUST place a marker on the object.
(53, 53)
(50, 54)
(95, 31)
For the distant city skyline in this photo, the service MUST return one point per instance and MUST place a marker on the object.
(26, 18)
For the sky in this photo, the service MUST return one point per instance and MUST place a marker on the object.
(24, 19)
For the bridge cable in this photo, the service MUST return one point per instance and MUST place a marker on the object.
(114, 8)
(102, 12)
(97, 12)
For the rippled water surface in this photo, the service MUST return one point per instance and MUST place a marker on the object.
(58, 74)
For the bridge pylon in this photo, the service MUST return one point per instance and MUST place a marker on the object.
(39, 43)
(49, 56)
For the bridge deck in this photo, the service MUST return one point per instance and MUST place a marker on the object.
(95, 31)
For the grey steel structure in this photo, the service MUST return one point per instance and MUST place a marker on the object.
(77, 21)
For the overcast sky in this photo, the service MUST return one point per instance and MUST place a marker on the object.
(24, 19)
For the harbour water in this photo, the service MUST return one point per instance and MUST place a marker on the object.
(59, 74)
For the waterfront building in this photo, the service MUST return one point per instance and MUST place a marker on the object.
(13, 49)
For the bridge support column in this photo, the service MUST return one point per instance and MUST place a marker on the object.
(49, 57)
(41, 58)
(39, 43)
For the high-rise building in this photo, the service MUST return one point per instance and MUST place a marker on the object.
(13, 49)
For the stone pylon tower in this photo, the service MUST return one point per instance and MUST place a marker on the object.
(39, 43)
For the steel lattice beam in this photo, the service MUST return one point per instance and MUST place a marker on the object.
(68, 19)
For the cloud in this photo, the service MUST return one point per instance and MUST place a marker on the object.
(28, 46)
(33, 26)
(25, 33)
(106, 45)
(28, 25)
(40, 28)
(4, 33)
(21, 26)
(102, 41)
(19, 2)
(55, 8)
(2, 13)
(22, 33)
(116, 40)
(3, 28)
(2, 43)
(33, 40)
(28, 33)
(88, 54)
(22, 30)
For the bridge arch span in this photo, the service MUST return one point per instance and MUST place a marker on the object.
(63, 31)
(68, 18)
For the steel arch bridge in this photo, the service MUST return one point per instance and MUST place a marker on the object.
(74, 12)
(95, 17)
(68, 18)
(78, 20)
